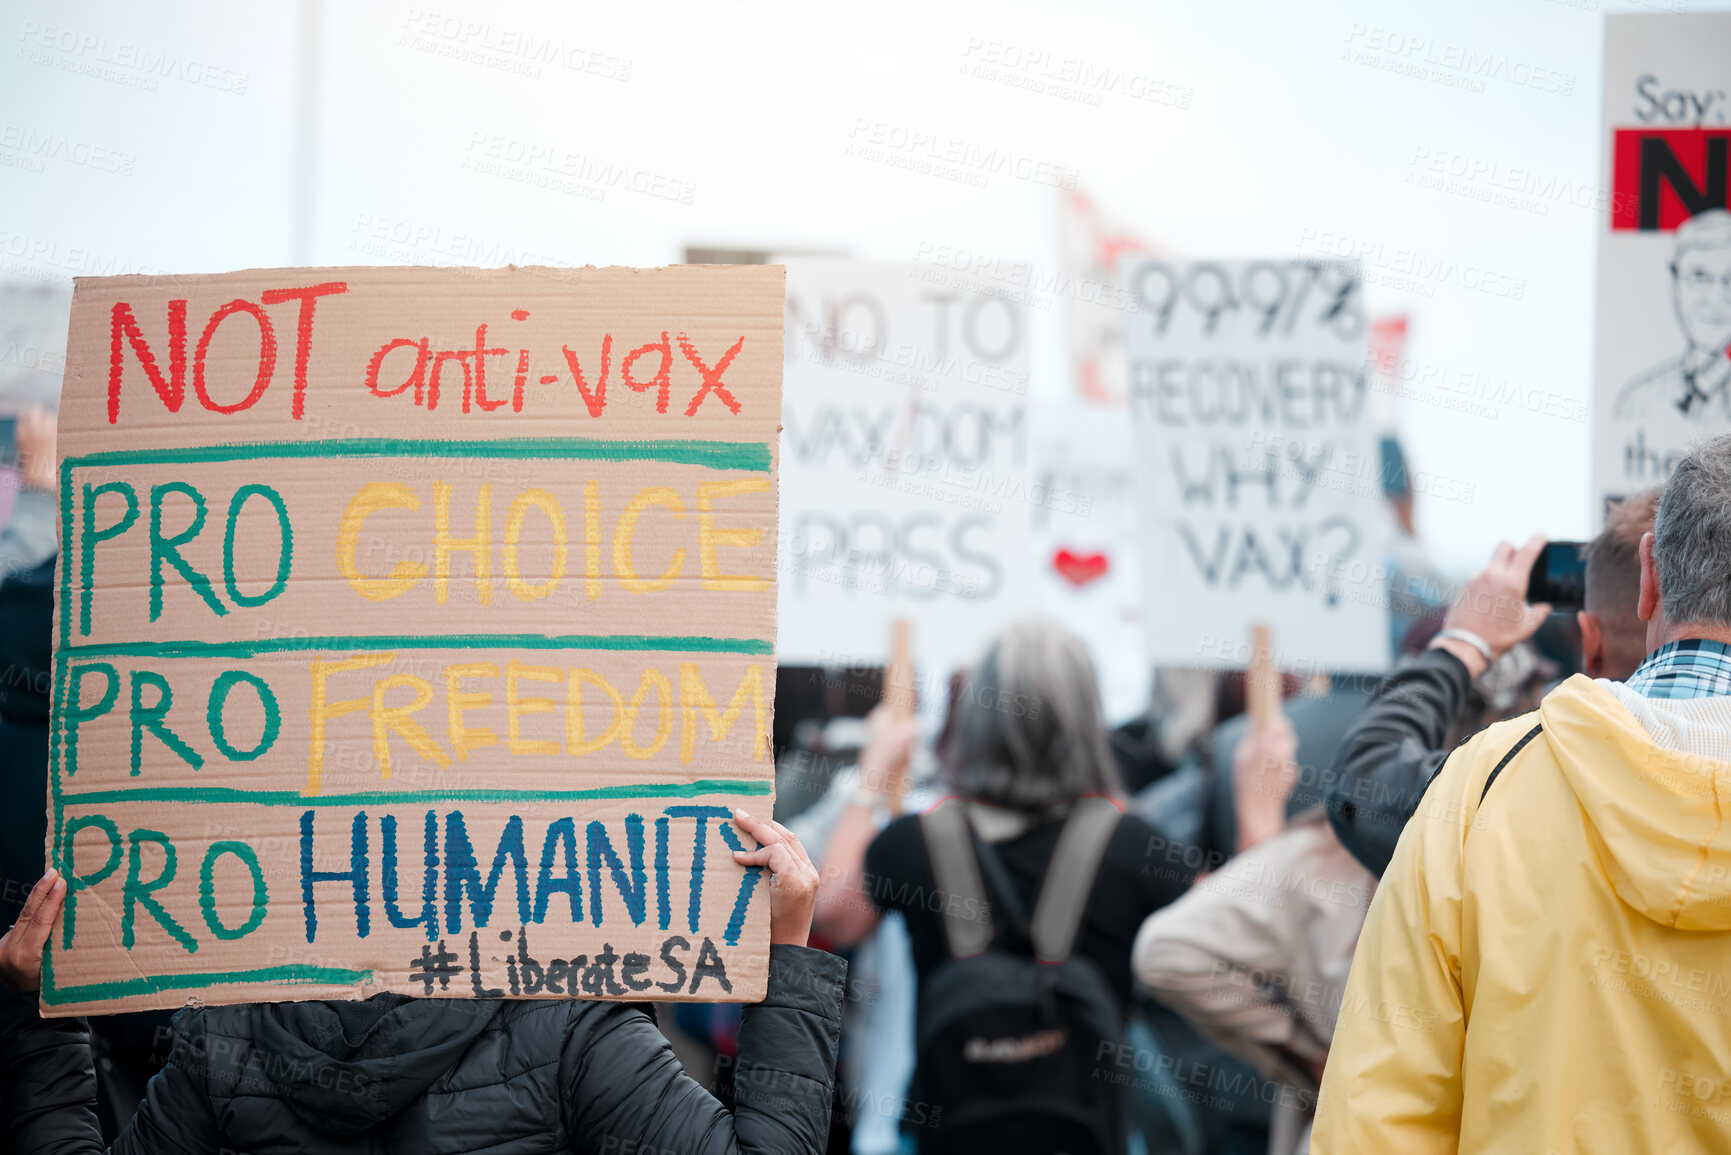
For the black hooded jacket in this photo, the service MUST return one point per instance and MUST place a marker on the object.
(441, 1075)
(26, 661)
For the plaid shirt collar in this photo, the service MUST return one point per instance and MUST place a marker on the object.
(1691, 668)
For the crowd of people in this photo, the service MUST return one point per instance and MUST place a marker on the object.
(1482, 904)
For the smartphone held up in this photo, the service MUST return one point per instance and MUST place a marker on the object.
(1559, 576)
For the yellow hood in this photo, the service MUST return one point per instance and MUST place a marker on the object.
(1656, 818)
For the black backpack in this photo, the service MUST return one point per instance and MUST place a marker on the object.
(1013, 1051)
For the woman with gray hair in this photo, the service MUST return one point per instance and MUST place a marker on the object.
(1028, 733)
(1034, 827)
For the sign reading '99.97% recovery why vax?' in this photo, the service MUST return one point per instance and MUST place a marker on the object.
(415, 632)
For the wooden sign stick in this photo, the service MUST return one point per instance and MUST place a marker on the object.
(1262, 683)
(900, 696)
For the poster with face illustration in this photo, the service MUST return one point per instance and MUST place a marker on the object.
(1663, 372)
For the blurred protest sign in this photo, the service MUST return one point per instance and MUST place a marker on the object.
(1390, 374)
(1662, 371)
(905, 479)
(1093, 250)
(1087, 548)
(415, 633)
(32, 355)
(1263, 495)
(32, 341)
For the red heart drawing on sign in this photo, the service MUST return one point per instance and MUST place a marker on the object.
(1079, 569)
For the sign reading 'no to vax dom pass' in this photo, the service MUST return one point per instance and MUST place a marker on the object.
(415, 633)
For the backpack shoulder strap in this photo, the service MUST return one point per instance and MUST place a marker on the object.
(1507, 758)
(1070, 877)
(956, 874)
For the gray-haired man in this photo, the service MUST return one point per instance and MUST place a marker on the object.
(1398, 744)
(1542, 966)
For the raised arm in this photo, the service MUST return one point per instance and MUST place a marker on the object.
(1391, 752)
(1396, 747)
(845, 913)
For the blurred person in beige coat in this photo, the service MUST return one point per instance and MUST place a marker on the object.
(1256, 954)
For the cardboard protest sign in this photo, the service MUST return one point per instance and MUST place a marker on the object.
(1663, 364)
(1086, 544)
(1263, 494)
(905, 479)
(415, 633)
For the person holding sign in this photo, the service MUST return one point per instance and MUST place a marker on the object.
(436, 1075)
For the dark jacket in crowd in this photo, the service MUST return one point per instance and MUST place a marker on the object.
(1392, 752)
(26, 639)
(1194, 806)
(1136, 749)
(441, 1075)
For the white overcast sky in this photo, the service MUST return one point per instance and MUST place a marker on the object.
(1290, 137)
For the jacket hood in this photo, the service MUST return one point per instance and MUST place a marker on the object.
(347, 1067)
(1654, 816)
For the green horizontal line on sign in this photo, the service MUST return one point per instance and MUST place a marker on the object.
(747, 455)
(697, 789)
(293, 973)
(376, 642)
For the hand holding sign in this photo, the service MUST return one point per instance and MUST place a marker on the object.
(792, 877)
(885, 757)
(21, 946)
(1264, 765)
(1264, 771)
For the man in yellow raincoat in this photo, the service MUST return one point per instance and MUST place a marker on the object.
(1547, 964)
